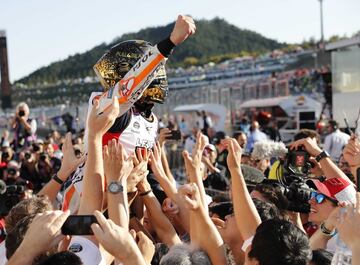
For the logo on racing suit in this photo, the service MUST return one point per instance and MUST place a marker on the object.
(79, 174)
(136, 125)
(144, 143)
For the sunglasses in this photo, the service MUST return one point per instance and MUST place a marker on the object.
(319, 197)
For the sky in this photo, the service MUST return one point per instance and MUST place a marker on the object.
(40, 32)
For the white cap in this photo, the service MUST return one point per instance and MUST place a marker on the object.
(39, 141)
(86, 250)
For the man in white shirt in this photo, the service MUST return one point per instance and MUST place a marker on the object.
(335, 140)
(255, 135)
(191, 140)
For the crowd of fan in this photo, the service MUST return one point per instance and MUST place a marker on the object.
(155, 220)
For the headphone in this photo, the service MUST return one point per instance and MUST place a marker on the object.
(334, 124)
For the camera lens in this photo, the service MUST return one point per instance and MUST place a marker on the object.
(11, 171)
(36, 148)
(77, 152)
(27, 156)
(21, 113)
(5, 155)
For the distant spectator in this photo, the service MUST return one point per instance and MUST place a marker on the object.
(241, 138)
(184, 128)
(272, 131)
(222, 152)
(5, 139)
(24, 127)
(245, 125)
(304, 133)
(335, 140)
(207, 123)
(7, 154)
(199, 120)
(254, 136)
(12, 174)
(191, 140)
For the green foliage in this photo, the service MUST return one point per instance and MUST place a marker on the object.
(215, 40)
(190, 61)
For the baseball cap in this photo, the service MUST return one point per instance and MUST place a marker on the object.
(211, 147)
(337, 188)
(86, 250)
(39, 141)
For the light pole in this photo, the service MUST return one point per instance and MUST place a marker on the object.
(321, 25)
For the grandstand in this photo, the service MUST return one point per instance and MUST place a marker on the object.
(228, 83)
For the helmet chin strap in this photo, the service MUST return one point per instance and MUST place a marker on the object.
(145, 108)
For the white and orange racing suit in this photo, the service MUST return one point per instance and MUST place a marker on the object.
(131, 128)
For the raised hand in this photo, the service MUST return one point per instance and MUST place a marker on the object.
(164, 133)
(184, 27)
(170, 208)
(192, 163)
(44, 232)
(146, 246)
(69, 162)
(352, 151)
(309, 144)
(347, 224)
(201, 142)
(191, 195)
(140, 170)
(117, 165)
(155, 159)
(100, 123)
(235, 151)
(115, 239)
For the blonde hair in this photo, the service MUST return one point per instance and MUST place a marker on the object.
(24, 106)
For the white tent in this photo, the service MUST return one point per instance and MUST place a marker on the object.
(215, 111)
(290, 104)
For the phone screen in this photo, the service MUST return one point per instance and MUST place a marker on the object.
(78, 225)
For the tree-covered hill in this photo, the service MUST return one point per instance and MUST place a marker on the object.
(213, 38)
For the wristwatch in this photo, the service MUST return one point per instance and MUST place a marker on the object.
(322, 155)
(115, 187)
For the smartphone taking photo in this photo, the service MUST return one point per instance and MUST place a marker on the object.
(78, 225)
(175, 135)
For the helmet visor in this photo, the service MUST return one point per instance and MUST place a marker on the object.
(154, 94)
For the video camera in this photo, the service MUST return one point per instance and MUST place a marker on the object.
(10, 195)
(296, 168)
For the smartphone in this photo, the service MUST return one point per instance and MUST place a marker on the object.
(78, 225)
(358, 179)
(142, 150)
(175, 135)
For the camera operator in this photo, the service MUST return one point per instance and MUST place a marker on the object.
(330, 194)
(12, 174)
(28, 159)
(24, 127)
(43, 167)
(6, 155)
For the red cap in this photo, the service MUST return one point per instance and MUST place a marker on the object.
(337, 188)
